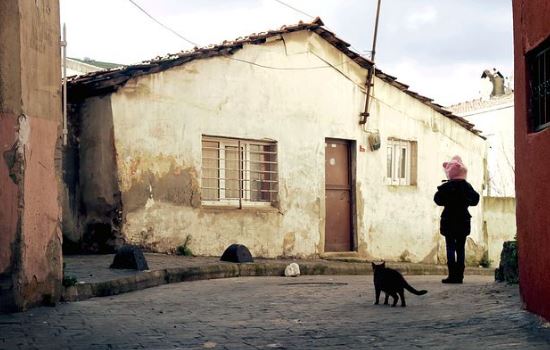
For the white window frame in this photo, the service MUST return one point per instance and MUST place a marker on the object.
(396, 147)
(245, 181)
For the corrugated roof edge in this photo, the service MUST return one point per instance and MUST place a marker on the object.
(106, 81)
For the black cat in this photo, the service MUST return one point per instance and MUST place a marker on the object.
(392, 283)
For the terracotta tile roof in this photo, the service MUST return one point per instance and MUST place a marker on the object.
(107, 81)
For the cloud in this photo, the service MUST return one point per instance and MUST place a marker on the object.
(438, 46)
(421, 17)
(117, 31)
(448, 83)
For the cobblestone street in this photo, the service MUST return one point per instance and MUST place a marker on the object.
(326, 312)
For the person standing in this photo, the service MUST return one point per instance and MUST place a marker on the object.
(455, 195)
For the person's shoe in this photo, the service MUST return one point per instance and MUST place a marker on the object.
(451, 277)
(453, 281)
(459, 274)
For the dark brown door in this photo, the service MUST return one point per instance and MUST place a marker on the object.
(338, 223)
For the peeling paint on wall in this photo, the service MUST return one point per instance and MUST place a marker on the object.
(288, 244)
(14, 164)
(100, 203)
(158, 178)
(30, 114)
(15, 157)
(474, 251)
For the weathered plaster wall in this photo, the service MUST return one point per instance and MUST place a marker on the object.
(92, 211)
(9, 196)
(30, 262)
(99, 189)
(10, 89)
(531, 27)
(159, 119)
(499, 215)
(70, 190)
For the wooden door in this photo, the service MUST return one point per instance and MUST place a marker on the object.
(338, 187)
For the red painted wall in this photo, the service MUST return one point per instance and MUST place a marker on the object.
(8, 195)
(30, 120)
(531, 27)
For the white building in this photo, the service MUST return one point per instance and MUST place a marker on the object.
(258, 141)
(493, 115)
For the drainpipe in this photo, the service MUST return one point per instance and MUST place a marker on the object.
(371, 71)
(239, 176)
(64, 106)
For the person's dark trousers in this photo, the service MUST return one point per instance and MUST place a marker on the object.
(455, 259)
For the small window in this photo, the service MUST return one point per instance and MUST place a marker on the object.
(400, 162)
(237, 172)
(538, 66)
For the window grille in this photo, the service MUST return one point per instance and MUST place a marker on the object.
(538, 64)
(237, 171)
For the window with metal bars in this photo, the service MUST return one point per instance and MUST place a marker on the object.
(237, 171)
(538, 66)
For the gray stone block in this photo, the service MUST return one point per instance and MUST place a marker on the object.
(508, 269)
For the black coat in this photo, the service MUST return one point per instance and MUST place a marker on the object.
(456, 196)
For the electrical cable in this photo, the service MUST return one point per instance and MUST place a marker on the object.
(257, 64)
(294, 8)
(313, 17)
(287, 68)
(163, 25)
(238, 59)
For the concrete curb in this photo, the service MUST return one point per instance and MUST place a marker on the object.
(148, 279)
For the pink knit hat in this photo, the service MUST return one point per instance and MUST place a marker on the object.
(455, 169)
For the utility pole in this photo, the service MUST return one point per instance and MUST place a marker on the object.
(64, 58)
(371, 71)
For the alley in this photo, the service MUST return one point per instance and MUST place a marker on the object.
(326, 312)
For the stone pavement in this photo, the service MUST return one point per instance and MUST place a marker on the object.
(307, 312)
(96, 279)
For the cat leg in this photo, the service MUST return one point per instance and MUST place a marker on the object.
(402, 295)
(377, 291)
(395, 299)
(386, 299)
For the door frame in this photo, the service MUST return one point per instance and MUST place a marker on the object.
(352, 164)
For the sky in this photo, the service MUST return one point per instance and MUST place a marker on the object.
(437, 47)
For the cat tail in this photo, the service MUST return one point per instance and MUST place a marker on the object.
(414, 291)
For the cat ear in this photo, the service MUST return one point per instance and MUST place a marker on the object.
(373, 265)
(383, 264)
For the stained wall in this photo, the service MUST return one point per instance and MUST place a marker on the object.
(30, 117)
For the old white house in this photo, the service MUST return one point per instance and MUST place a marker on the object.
(258, 141)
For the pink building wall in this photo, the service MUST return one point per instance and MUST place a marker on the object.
(30, 119)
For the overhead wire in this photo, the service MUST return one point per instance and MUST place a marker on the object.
(313, 17)
(238, 59)
(294, 8)
(162, 24)
(288, 68)
(328, 65)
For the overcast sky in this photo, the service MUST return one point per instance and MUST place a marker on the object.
(438, 47)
